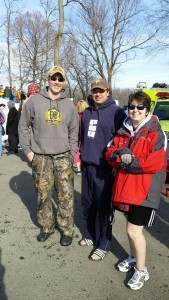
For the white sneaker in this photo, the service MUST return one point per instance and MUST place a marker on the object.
(127, 264)
(78, 173)
(137, 280)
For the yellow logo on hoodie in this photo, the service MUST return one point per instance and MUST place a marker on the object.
(53, 116)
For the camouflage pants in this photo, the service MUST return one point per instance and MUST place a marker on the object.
(49, 172)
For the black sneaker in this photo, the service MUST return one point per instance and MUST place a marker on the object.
(66, 240)
(43, 236)
(10, 153)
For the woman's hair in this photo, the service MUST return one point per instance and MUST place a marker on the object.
(141, 98)
(2, 104)
(81, 106)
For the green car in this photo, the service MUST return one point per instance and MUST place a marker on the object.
(160, 108)
(159, 94)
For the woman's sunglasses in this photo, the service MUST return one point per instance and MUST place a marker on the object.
(139, 107)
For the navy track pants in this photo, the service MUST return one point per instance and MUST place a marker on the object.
(96, 204)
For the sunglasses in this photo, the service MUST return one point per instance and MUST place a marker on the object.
(60, 79)
(139, 107)
(100, 91)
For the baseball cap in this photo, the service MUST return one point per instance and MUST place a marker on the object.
(56, 69)
(99, 83)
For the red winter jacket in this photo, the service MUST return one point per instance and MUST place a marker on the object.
(141, 182)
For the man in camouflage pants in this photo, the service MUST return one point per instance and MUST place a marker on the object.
(48, 133)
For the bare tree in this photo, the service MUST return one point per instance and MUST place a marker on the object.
(111, 33)
(11, 11)
(34, 36)
(50, 9)
(2, 57)
(122, 95)
(161, 18)
(58, 38)
(99, 38)
(59, 34)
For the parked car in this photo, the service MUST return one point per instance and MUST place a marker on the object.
(160, 108)
(159, 94)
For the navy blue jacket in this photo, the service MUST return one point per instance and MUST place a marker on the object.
(98, 127)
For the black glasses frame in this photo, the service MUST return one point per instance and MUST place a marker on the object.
(53, 78)
(139, 107)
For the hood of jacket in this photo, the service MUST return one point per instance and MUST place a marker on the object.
(150, 123)
(98, 127)
(105, 104)
(44, 93)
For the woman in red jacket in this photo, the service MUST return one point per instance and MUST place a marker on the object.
(138, 152)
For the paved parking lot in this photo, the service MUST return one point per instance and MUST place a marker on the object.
(38, 271)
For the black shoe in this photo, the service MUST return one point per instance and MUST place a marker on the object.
(66, 240)
(10, 152)
(43, 236)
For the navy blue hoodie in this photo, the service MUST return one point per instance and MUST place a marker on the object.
(98, 127)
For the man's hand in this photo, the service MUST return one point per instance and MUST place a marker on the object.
(126, 158)
(30, 156)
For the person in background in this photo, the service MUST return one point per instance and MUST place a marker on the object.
(90, 100)
(22, 96)
(50, 148)
(14, 93)
(2, 121)
(18, 96)
(12, 128)
(7, 92)
(1, 91)
(33, 89)
(81, 106)
(138, 152)
(100, 122)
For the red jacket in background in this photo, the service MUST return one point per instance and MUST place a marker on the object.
(33, 89)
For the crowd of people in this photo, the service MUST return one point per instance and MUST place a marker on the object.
(11, 93)
(9, 99)
(9, 126)
(18, 95)
(122, 160)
